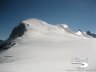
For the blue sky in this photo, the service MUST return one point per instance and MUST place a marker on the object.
(77, 14)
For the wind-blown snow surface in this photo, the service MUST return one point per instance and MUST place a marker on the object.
(48, 48)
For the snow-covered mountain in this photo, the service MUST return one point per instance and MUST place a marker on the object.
(30, 27)
(40, 27)
(36, 46)
(82, 34)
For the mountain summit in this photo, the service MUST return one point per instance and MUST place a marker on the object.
(41, 27)
(36, 46)
(34, 28)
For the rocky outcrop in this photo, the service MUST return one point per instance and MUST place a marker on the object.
(91, 34)
(1, 41)
(17, 32)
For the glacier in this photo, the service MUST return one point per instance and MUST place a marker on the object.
(42, 47)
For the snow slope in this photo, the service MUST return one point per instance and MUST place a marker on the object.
(48, 48)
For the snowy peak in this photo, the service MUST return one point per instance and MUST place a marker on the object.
(65, 28)
(38, 26)
(35, 24)
(82, 34)
(52, 49)
(42, 26)
(34, 28)
(33, 21)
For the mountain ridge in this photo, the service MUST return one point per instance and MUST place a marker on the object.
(36, 26)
